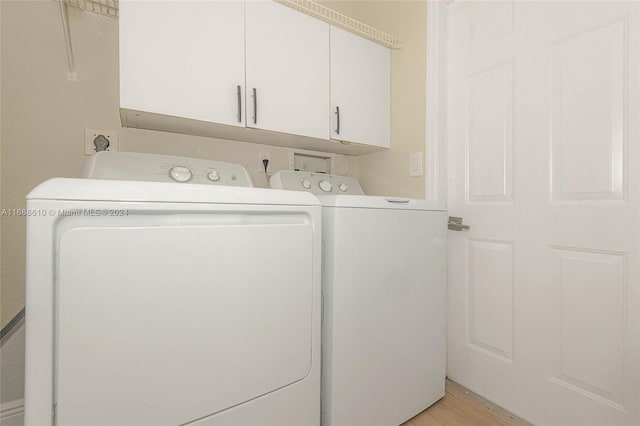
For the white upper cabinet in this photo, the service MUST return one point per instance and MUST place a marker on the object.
(183, 59)
(360, 90)
(251, 70)
(287, 69)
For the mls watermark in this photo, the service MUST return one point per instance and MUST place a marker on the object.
(64, 212)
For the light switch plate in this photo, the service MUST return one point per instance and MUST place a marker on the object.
(415, 164)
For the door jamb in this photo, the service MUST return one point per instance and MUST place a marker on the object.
(436, 101)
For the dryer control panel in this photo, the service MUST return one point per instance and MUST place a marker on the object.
(164, 168)
(316, 183)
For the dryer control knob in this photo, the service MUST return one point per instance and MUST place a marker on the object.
(306, 184)
(180, 174)
(325, 185)
(213, 175)
(342, 187)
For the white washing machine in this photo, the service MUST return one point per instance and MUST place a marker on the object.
(152, 302)
(384, 294)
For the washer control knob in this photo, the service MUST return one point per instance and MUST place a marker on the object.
(306, 184)
(342, 187)
(325, 185)
(180, 174)
(213, 175)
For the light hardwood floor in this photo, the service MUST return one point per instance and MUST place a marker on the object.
(460, 407)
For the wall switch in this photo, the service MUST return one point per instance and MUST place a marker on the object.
(415, 164)
(264, 155)
(100, 140)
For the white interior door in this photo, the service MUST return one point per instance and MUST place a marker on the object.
(543, 125)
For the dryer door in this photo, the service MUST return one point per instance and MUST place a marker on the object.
(169, 323)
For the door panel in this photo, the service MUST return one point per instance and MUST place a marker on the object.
(591, 292)
(491, 297)
(489, 147)
(587, 136)
(162, 325)
(543, 164)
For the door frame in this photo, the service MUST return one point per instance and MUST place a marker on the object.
(436, 101)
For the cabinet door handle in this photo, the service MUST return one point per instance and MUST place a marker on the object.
(337, 120)
(255, 106)
(239, 94)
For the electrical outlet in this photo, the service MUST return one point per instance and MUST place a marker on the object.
(100, 140)
(415, 164)
(264, 155)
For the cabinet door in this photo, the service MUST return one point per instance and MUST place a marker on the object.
(360, 90)
(183, 58)
(287, 60)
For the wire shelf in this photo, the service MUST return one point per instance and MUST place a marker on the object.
(308, 7)
(345, 22)
(102, 7)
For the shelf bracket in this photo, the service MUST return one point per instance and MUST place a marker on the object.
(71, 73)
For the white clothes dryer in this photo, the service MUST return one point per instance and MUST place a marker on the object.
(384, 301)
(153, 302)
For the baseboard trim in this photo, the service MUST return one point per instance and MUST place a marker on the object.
(11, 408)
(15, 323)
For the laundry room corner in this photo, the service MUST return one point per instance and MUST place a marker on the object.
(387, 172)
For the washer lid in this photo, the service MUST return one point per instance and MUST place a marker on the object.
(116, 190)
(377, 202)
